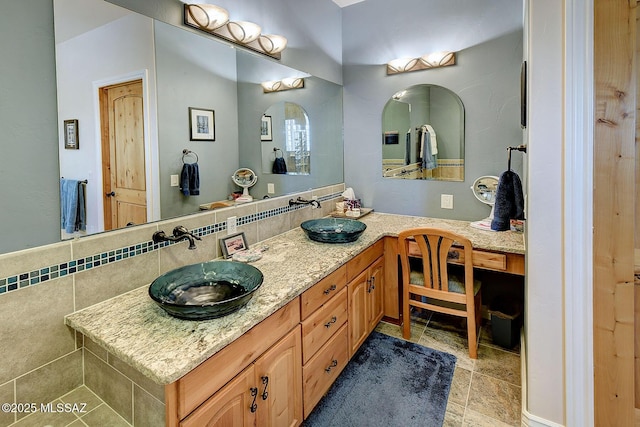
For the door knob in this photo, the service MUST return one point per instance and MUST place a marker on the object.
(112, 194)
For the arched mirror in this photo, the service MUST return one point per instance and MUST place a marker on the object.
(423, 134)
(284, 137)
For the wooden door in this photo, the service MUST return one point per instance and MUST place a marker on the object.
(376, 294)
(229, 407)
(614, 212)
(358, 317)
(279, 380)
(123, 155)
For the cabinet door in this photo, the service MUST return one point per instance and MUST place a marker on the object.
(375, 289)
(358, 312)
(279, 380)
(231, 406)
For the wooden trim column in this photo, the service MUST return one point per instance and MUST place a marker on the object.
(614, 219)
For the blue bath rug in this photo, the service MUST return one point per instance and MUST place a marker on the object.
(388, 382)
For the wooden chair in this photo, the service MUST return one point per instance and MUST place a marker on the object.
(433, 288)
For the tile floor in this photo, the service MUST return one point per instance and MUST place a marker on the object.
(96, 413)
(485, 391)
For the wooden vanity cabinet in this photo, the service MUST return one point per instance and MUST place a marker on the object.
(277, 372)
(267, 393)
(324, 336)
(222, 388)
(365, 294)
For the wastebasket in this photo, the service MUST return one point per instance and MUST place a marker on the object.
(506, 315)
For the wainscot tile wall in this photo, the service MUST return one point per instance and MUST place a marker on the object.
(43, 359)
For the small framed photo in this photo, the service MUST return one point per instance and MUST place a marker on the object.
(202, 124)
(71, 141)
(265, 129)
(392, 137)
(233, 243)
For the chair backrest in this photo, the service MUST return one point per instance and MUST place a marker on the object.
(433, 246)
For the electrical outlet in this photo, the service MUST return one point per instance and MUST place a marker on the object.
(175, 180)
(232, 225)
(446, 201)
(271, 188)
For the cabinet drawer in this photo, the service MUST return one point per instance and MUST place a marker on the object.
(196, 387)
(481, 259)
(358, 264)
(323, 369)
(322, 324)
(489, 260)
(322, 291)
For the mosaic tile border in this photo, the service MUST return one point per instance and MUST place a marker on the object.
(48, 273)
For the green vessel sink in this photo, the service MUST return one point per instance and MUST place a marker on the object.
(333, 230)
(206, 290)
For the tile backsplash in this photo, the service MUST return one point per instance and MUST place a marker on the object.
(45, 273)
(39, 286)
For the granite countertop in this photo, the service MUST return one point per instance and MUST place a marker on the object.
(133, 328)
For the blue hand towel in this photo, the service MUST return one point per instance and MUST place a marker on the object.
(68, 204)
(81, 215)
(509, 203)
(428, 159)
(190, 179)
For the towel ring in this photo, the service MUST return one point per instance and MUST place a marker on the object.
(275, 150)
(186, 152)
(522, 148)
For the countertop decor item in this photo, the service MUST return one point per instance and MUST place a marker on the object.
(333, 230)
(206, 290)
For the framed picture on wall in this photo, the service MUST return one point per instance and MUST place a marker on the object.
(71, 141)
(202, 124)
(523, 95)
(392, 137)
(265, 129)
(232, 244)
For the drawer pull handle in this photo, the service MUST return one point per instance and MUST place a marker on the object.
(334, 363)
(265, 381)
(372, 284)
(334, 319)
(328, 290)
(254, 394)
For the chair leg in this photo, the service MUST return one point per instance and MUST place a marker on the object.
(472, 335)
(406, 318)
(473, 326)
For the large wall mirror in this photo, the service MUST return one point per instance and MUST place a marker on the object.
(423, 134)
(102, 48)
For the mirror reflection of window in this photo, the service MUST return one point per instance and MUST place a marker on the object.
(290, 137)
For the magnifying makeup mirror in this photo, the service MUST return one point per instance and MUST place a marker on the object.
(484, 188)
(245, 178)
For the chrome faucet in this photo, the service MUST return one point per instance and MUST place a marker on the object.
(301, 201)
(179, 233)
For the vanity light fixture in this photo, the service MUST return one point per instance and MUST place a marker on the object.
(430, 60)
(215, 21)
(284, 84)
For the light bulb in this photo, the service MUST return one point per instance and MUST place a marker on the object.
(244, 31)
(272, 43)
(208, 16)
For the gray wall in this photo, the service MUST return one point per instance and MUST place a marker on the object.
(28, 126)
(488, 37)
